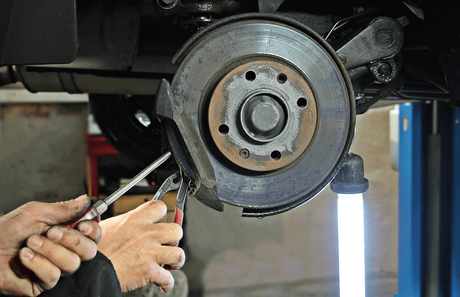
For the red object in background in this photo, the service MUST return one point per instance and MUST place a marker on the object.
(97, 146)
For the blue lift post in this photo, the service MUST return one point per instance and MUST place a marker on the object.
(410, 204)
(455, 250)
(416, 277)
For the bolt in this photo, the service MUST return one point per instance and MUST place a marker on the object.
(167, 4)
(359, 9)
(360, 99)
(244, 153)
(343, 59)
(282, 78)
(384, 69)
(403, 21)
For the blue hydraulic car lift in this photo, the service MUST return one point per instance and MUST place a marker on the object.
(429, 200)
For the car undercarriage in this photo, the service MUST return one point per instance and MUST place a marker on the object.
(256, 99)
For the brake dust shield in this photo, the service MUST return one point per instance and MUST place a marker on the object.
(273, 106)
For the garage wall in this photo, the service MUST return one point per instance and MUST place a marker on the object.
(42, 152)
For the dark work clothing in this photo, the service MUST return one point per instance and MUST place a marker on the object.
(96, 277)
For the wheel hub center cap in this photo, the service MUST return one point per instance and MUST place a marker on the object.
(262, 118)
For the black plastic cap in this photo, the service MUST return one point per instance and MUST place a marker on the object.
(350, 178)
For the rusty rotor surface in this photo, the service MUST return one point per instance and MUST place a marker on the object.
(262, 115)
(308, 142)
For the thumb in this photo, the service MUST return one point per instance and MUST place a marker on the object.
(64, 211)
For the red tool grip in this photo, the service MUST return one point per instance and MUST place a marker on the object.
(179, 217)
(85, 216)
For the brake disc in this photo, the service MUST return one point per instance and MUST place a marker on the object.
(273, 106)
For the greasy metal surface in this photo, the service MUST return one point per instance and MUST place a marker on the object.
(383, 38)
(232, 100)
(107, 35)
(185, 7)
(384, 70)
(220, 52)
(269, 6)
(186, 145)
(39, 32)
(207, 196)
(37, 79)
(181, 157)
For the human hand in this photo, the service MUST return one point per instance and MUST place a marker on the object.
(138, 242)
(35, 252)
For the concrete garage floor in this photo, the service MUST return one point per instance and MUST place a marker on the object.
(42, 157)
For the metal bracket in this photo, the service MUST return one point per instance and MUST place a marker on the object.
(362, 107)
(269, 6)
(187, 146)
(383, 38)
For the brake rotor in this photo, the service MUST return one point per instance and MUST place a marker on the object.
(273, 106)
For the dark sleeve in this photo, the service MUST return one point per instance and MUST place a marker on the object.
(96, 277)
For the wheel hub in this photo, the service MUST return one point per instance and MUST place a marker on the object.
(262, 118)
(262, 115)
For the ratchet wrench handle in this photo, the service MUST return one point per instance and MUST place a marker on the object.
(90, 214)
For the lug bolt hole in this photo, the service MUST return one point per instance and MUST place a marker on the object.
(282, 78)
(223, 129)
(276, 155)
(302, 102)
(250, 75)
(244, 153)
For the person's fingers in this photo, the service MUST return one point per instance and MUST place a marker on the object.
(151, 211)
(59, 212)
(90, 229)
(163, 219)
(161, 277)
(67, 261)
(18, 268)
(167, 233)
(45, 271)
(172, 257)
(74, 241)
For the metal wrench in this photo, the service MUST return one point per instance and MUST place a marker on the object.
(182, 183)
(94, 212)
(172, 183)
